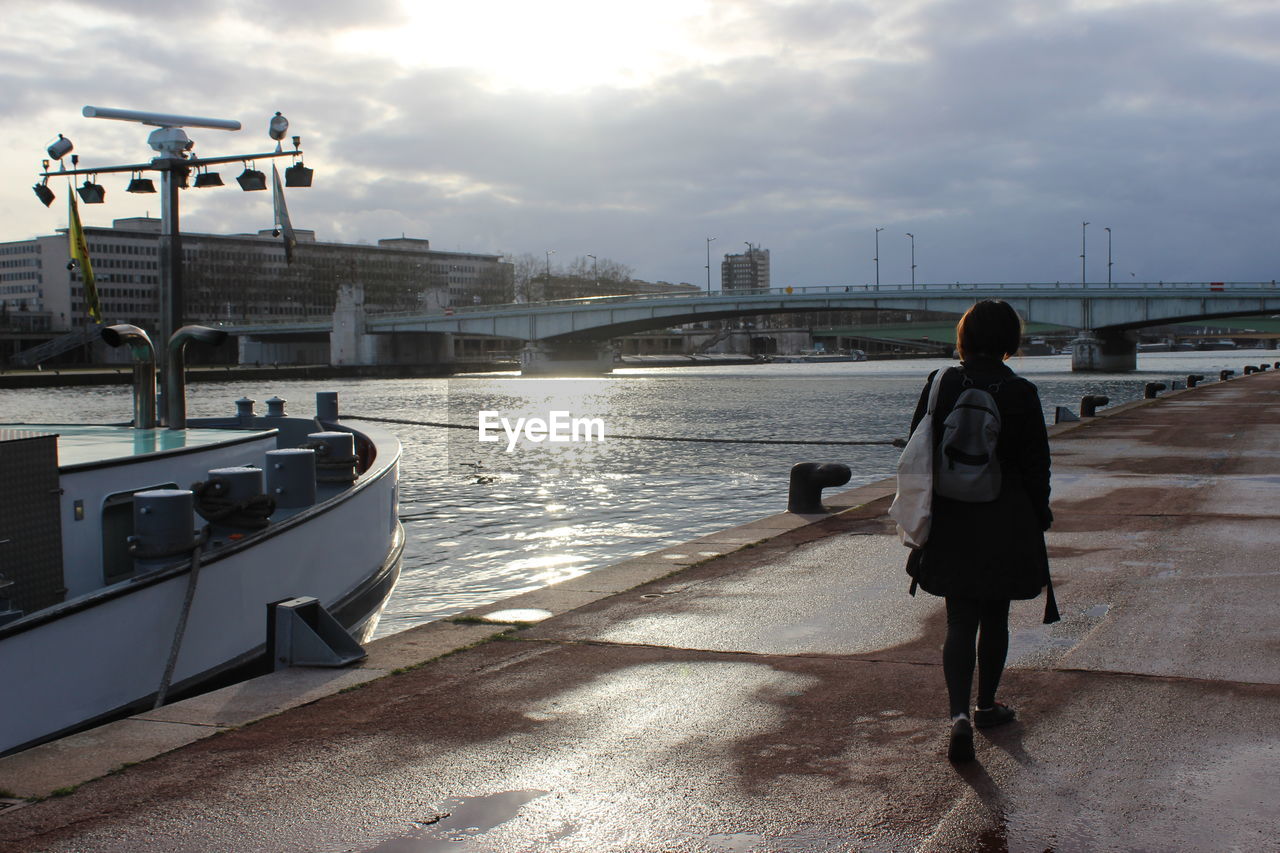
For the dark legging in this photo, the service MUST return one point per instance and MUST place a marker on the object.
(964, 617)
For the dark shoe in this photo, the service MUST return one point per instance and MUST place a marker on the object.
(997, 715)
(961, 748)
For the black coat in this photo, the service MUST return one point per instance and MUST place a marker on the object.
(991, 550)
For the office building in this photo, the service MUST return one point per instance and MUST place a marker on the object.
(745, 273)
(237, 278)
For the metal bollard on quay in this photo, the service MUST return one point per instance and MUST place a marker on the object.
(808, 479)
(1090, 402)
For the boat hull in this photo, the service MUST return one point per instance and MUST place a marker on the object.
(103, 654)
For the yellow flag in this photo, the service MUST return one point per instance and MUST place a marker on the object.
(80, 256)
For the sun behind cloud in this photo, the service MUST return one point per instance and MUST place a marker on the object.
(560, 46)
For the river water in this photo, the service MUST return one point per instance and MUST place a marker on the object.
(484, 523)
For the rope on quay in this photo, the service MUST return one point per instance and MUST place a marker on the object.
(688, 439)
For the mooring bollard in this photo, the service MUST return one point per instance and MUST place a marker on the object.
(1193, 379)
(808, 479)
(290, 476)
(1090, 402)
(335, 456)
(163, 528)
(232, 501)
(327, 406)
(1224, 375)
(1152, 390)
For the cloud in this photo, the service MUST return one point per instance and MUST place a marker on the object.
(990, 130)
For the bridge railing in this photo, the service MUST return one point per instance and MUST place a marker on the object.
(582, 301)
(936, 288)
(1092, 287)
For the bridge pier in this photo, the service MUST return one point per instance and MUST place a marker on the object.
(1105, 351)
(350, 342)
(570, 358)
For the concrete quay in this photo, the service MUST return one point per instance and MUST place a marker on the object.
(768, 688)
(56, 377)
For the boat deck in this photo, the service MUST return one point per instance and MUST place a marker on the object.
(94, 444)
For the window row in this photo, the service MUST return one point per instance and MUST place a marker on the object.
(122, 249)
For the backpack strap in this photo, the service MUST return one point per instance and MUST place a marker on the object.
(967, 382)
(1050, 605)
(935, 387)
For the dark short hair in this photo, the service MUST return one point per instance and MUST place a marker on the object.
(991, 327)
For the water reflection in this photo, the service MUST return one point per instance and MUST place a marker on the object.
(484, 524)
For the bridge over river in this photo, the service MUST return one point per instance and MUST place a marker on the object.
(573, 333)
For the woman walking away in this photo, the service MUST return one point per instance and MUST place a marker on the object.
(986, 540)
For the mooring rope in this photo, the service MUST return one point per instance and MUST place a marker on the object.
(162, 693)
(687, 439)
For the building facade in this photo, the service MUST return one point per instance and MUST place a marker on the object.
(234, 278)
(745, 273)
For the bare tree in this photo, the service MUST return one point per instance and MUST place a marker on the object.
(530, 272)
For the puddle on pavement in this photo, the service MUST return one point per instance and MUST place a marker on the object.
(734, 842)
(1045, 645)
(519, 614)
(459, 821)
(805, 841)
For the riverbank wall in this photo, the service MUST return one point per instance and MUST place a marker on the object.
(53, 378)
(71, 377)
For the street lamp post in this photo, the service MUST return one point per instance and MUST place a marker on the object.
(913, 259)
(1108, 230)
(709, 241)
(1083, 232)
(595, 270)
(877, 257)
(546, 287)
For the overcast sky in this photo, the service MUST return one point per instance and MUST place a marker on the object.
(634, 130)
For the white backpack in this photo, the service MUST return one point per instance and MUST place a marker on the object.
(912, 506)
(965, 465)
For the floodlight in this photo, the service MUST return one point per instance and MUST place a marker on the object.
(61, 148)
(91, 193)
(208, 179)
(279, 127)
(298, 175)
(140, 184)
(252, 179)
(44, 193)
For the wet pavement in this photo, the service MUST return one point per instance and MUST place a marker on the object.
(788, 696)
